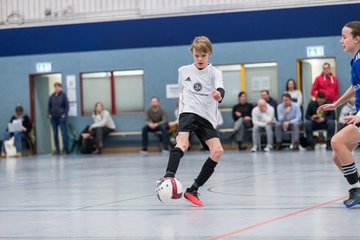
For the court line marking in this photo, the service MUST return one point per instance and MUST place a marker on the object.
(244, 229)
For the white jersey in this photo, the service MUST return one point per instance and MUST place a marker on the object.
(196, 87)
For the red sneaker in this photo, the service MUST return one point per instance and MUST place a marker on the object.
(193, 198)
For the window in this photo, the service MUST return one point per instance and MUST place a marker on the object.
(261, 76)
(129, 91)
(232, 79)
(119, 91)
(95, 88)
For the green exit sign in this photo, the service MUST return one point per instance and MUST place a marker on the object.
(315, 51)
(43, 67)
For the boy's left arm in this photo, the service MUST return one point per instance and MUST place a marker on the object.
(218, 94)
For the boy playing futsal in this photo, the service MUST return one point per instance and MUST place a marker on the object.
(201, 89)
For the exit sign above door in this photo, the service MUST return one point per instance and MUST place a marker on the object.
(315, 51)
(43, 67)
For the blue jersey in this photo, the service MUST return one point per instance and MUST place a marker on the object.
(355, 78)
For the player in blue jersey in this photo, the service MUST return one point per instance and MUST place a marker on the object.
(348, 138)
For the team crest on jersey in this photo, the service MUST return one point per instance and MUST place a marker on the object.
(188, 79)
(197, 87)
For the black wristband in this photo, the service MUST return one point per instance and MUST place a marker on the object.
(222, 93)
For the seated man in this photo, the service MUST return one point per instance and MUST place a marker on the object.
(262, 118)
(289, 118)
(321, 120)
(241, 114)
(265, 94)
(18, 135)
(156, 120)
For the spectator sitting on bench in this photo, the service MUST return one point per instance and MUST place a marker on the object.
(348, 109)
(265, 94)
(289, 118)
(19, 135)
(263, 117)
(241, 114)
(102, 126)
(322, 120)
(156, 120)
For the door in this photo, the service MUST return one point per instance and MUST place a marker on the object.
(308, 70)
(41, 88)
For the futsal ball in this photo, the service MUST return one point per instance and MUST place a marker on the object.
(169, 190)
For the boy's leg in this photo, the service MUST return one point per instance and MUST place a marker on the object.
(207, 170)
(343, 143)
(177, 153)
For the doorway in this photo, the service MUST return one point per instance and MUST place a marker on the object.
(307, 71)
(41, 87)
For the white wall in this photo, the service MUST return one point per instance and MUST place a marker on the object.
(20, 13)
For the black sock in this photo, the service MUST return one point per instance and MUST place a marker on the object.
(205, 173)
(174, 160)
(350, 173)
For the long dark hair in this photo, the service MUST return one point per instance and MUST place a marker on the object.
(102, 105)
(287, 84)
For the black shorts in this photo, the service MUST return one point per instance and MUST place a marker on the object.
(190, 122)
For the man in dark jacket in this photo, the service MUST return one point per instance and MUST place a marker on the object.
(241, 114)
(58, 109)
(321, 120)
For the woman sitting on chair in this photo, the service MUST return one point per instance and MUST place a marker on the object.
(18, 134)
(102, 126)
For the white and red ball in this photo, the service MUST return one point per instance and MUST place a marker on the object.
(169, 190)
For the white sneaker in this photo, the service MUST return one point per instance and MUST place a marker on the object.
(143, 153)
(254, 148)
(267, 148)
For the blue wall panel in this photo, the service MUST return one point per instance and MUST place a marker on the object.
(160, 66)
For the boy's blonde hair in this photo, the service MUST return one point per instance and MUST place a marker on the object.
(201, 44)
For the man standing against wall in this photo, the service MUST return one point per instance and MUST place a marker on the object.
(58, 108)
(326, 83)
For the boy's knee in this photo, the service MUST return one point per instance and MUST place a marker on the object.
(216, 153)
(182, 143)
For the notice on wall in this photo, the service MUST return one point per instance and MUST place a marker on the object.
(260, 83)
(172, 91)
(72, 109)
(70, 81)
(71, 94)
